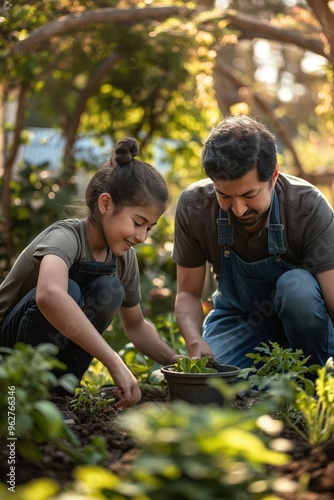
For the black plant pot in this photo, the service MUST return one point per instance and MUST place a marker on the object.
(193, 387)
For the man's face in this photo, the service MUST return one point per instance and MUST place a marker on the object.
(247, 198)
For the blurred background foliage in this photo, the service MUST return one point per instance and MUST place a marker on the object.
(163, 72)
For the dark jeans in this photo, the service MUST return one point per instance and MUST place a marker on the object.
(100, 300)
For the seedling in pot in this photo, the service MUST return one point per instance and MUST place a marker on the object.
(202, 365)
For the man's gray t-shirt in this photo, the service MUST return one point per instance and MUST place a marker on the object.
(304, 211)
(66, 239)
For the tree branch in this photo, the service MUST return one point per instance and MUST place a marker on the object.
(249, 25)
(67, 24)
(326, 19)
(252, 27)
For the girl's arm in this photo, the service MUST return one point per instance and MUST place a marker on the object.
(144, 336)
(58, 307)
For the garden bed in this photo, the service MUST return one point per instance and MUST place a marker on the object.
(316, 464)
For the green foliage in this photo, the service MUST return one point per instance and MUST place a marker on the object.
(139, 364)
(88, 401)
(38, 201)
(216, 453)
(275, 361)
(187, 365)
(169, 331)
(25, 380)
(96, 375)
(30, 370)
(95, 452)
(317, 408)
(26, 413)
(306, 405)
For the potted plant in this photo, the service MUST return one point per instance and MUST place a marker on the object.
(188, 379)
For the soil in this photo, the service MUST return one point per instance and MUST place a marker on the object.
(314, 462)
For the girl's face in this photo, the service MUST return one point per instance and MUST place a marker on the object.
(128, 227)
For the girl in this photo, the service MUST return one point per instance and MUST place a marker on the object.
(70, 282)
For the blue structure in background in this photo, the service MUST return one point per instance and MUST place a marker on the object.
(46, 145)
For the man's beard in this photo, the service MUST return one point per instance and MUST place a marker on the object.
(252, 222)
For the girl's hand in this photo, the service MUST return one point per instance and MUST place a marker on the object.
(127, 392)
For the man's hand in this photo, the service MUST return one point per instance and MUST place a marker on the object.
(199, 349)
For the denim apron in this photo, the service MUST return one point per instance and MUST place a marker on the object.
(243, 314)
(83, 271)
(97, 290)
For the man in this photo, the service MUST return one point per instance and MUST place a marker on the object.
(269, 238)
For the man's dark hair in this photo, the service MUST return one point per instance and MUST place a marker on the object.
(238, 145)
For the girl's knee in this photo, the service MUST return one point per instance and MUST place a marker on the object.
(103, 298)
(74, 290)
(108, 291)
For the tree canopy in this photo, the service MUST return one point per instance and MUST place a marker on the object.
(167, 70)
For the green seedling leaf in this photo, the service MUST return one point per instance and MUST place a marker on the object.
(48, 421)
(187, 365)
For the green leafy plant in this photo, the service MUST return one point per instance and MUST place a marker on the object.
(217, 453)
(26, 412)
(95, 452)
(96, 375)
(169, 331)
(139, 364)
(317, 408)
(187, 365)
(272, 361)
(87, 400)
(305, 402)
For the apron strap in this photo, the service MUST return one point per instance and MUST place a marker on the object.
(275, 231)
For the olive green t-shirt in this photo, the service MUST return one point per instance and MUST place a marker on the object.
(66, 239)
(304, 211)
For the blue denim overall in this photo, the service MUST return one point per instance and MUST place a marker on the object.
(265, 300)
(96, 290)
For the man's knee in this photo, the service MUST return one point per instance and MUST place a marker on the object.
(296, 285)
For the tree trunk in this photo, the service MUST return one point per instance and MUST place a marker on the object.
(8, 172)
(325, 17)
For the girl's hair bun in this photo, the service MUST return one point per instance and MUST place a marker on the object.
(125, 151)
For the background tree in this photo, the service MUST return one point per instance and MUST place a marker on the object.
(115, 68)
